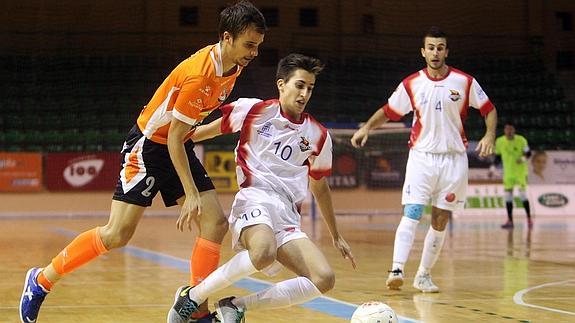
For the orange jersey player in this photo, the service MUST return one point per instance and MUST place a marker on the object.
(190, 93)
(158, 157)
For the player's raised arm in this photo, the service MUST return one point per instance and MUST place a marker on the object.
(359, 138)
(322, 193)
(205, 132)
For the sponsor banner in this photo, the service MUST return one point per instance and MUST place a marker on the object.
(545, 167)
(221, 167)
(82, 171)
(344, 170)
(552, 167)
(544, 200)
(20, 172)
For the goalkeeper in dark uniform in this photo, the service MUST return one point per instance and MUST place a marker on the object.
(513, 151)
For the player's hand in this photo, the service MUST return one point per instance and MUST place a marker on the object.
(345, 249)
(191, 211)
(359, 138)
(520, 160)
(485, 145)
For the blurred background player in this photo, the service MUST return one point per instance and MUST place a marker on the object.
(158, 156)
(513, 151)
(437, 167)
(281, 150)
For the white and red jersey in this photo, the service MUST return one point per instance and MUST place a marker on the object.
(439, 106)
(275, 152)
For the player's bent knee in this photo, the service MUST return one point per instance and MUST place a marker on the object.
(413, 211)
(324, 280)
(262, 256)
(113, 239)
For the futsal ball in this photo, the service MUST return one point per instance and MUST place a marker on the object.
(374, 312)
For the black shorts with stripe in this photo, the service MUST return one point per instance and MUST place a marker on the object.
(147, 169)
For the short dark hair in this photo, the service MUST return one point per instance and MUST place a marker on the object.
(434, 32)
(237, 18)
(509, 123)
(292, 62)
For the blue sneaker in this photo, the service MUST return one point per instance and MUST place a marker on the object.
(32, 297)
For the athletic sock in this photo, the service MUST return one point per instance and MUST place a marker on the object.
(404, 236)
(205, 259)
(283, 294)
(240, 266)
(82, 249)
(509, 207)
(431, 249)
(527, 208)
(44, 282)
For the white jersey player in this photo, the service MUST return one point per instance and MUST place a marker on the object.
(280, 151)
(437, 168)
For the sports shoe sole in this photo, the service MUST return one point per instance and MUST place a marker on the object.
(394, 283)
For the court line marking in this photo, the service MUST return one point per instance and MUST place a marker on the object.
(518, 297)
(323, 304)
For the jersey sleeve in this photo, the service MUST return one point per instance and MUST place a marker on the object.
(234, 114)
(320, 164)
(190, 102)
(478, 99)
(398, 104)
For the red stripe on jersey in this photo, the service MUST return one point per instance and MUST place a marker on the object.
(486, 108)
(449, 69)
(226, 126)
(465, 106)
(416, 129)
(242, 152)
(390, 113)
(319, 173)
(323, 137)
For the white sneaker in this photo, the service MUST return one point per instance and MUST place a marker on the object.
(422, 281)
(395, 279)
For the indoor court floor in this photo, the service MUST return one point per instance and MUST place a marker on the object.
(486, 274)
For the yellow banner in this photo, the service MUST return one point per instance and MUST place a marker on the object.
(221, 167)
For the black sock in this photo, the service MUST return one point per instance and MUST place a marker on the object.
(509, 206)
(527, 209)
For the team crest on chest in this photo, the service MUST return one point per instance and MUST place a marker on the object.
(454, 96)
(223, 95)
(304, 144)
(265, 130)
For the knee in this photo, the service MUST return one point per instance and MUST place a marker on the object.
(263, 256)
(439, 220)
(324, 280)
(215, 224)
(114, 238)
(413, 211)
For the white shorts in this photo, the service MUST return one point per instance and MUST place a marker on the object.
(441, 178)
(254, 206)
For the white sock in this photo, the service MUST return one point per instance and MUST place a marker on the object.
(404, 236)
(283, 294)
(240, 266)
(431, 249)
